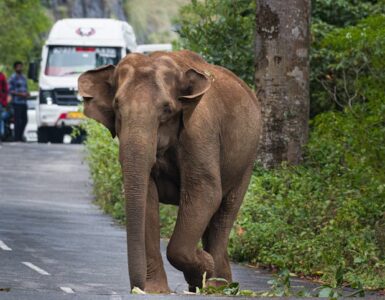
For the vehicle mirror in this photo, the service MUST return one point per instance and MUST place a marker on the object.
(33, 71)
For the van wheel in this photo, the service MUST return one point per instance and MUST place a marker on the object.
(56, 136)
(42, 135)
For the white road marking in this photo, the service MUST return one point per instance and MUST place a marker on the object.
(35, 268)
(115, 296)
(67, 290)
(4, 247)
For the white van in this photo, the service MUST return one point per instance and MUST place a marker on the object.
(30, 131)
(74, 46)
(149, 48)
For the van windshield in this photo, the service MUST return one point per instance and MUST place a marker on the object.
(67, 61)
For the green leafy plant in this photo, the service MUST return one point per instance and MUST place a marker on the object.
(326, 214)
(102, 157)
(337, 289)
(137, 291)
(222, 32)
(221, 287)
(22, 28)
(280, 286)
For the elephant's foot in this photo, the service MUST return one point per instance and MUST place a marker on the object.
(156, 281)
(194, 273)
(154, 286)
(222, 269)
(214, 282)
(217, 283)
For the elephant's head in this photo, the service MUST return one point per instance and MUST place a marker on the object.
(137, 101)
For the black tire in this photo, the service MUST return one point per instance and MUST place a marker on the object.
(43, 135)
(56, 136)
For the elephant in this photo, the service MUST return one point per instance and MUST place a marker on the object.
(188, 135)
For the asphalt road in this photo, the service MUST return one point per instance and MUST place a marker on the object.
(54, 242)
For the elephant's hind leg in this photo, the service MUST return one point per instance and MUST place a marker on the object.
(156, 281)
(215, 239)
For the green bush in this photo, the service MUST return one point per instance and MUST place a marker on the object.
(102, 156)
(222, 32)
(329, 213)
(313, 220)
(22, 28)
(333, 73)
(341, 13)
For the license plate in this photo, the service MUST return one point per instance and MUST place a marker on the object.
(75, 115)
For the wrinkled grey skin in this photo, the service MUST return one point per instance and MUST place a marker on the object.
(188, 134)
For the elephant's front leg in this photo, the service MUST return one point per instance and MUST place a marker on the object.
(156, 281)
(198, 203)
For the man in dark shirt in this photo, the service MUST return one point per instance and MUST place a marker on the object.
(18, 89)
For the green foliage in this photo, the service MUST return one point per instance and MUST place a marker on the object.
(22, 25)
(168, 215)
(336, 289)
(342, 13)
(151, 19)
(102, 156)
(220, 286)
(280, 286)
(137, 291)
(326, 93)
(222, 32)
(312, 220)
(323, 216)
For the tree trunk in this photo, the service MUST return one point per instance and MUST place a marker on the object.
(282, 78)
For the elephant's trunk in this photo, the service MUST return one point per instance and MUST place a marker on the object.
(137, 156)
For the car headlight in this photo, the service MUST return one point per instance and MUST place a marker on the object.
(46, 97)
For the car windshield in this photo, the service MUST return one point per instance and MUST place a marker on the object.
(66, 61)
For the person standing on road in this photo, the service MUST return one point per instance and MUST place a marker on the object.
(18, 88)
(3, 102)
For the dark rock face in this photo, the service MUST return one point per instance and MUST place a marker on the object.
(87, 9)
(97, 9)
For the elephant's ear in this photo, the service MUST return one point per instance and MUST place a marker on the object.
(194, 85)
(95, 86)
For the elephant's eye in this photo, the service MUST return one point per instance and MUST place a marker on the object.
(87, 99)
(166, 108)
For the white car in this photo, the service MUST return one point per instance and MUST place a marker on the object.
(30, 132)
